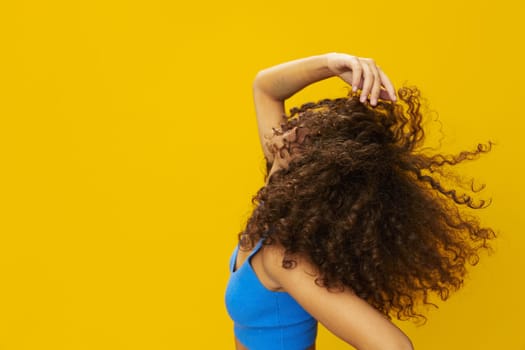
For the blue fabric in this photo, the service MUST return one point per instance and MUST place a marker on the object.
(264, 319)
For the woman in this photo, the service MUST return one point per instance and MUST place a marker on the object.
(354, 223)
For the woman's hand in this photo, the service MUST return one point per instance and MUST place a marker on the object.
(362, 73)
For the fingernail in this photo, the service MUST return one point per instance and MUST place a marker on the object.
(354, 88)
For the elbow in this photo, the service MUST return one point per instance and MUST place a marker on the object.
(265, 82)
(404, 344)
(401, 343)
(258, 80)
(258, 84)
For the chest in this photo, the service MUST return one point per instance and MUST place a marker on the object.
(254, 300)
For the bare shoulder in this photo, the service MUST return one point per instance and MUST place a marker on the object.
(300, 271)
(272, 255)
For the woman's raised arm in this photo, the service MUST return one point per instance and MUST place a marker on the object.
(272, 86)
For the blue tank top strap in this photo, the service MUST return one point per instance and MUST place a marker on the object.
(255, 249)
(233, 258)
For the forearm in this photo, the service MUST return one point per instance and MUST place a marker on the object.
(284, 80)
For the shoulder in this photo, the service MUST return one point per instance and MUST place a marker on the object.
(302, 271)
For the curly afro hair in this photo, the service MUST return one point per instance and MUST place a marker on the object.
(368, 206)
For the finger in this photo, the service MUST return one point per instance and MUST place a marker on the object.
(357, 73)
(376, 86)
(368, 81)
(388, 85)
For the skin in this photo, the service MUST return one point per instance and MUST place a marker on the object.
(276, 142)
(343, 313)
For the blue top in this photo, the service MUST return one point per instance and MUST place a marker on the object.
(265, 319)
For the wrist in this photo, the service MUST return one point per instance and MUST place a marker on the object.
(319, 67)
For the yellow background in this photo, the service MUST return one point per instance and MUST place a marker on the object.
(129, 155)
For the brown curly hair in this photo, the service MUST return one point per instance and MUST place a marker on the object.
(368, 206)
